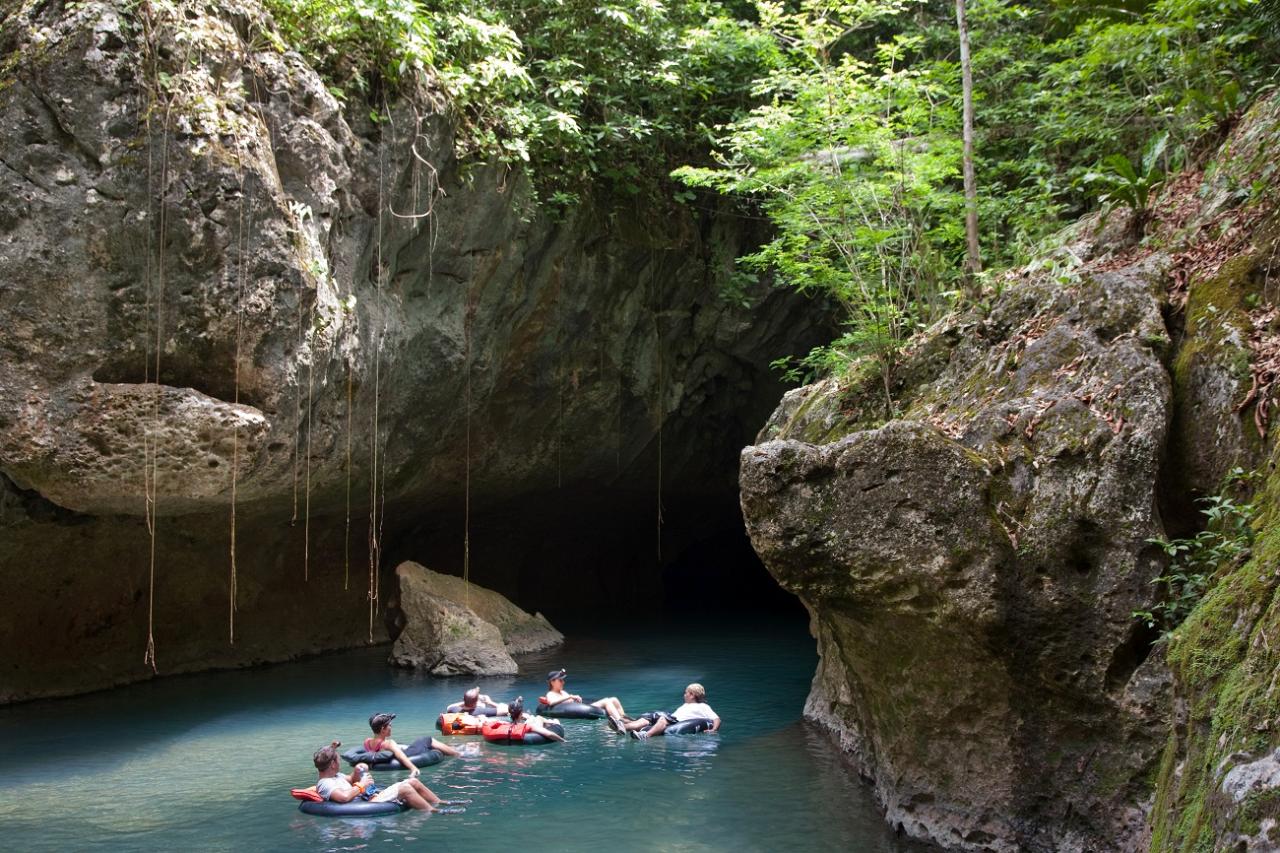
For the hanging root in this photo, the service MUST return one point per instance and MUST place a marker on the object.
(151, 449)
(434, 191)
(241, 277)
(346, 541)
(297, 421)
(374, 520)
(468, 316)
(657, 333)
(306, 523)
(559, 378)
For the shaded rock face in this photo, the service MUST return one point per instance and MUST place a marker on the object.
(443, 636)
(339, 324)
(971, 568)
(519, 632)
(1218, 787)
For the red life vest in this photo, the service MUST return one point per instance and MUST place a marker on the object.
(499, 731)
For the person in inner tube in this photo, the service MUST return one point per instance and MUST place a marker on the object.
(474, 700)
(556, 695)
(695, 707)
(381, 725)
(358, 784)
(536, 724)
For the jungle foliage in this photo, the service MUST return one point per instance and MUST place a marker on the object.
(837, 120)
(1194, 562)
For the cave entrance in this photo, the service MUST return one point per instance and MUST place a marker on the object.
(721, 574)
(582, 554)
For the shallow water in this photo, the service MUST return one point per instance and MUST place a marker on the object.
(205, 762)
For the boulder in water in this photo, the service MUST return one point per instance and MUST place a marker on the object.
(455, 628)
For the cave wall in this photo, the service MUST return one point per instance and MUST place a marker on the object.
(339, 307)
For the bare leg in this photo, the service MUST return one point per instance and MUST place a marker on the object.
(423, 791)
(636, 725)
(412, 792)
(443, 749)
(414, 800)
(611, 706)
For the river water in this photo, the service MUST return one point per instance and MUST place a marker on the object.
(206, 762)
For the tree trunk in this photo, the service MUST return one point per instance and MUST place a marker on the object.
(973, 262)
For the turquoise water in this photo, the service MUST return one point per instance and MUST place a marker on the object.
(205, 762)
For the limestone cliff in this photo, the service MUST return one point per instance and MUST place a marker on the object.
(221, 290)
(971, 566)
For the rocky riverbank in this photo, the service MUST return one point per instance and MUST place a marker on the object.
(972, 565)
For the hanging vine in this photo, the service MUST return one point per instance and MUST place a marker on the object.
(154, 275)
(467, 320)
(297, 418)
(243, 219)
(306, 522)
(657, 334)
(374, 521)
(557, 272)
(346, 541)
(374, 526)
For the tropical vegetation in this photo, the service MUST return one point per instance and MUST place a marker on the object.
(837, 120)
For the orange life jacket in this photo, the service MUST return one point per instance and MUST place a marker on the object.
(458, 724)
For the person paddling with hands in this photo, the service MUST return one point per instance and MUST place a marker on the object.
(381, 725)
(358, 784)
(556, 695)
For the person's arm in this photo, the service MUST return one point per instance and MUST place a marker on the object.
(715, 724)
(545, 732)
(553, 698)
(401, 757)
(346, 795)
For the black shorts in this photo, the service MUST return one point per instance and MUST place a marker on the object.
(654, 716)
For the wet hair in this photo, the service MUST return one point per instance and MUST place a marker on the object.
(516, 708)
(471, 698)
(324, 756)
(379, 721)
(699, 692)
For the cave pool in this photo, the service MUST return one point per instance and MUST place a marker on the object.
(205, 762)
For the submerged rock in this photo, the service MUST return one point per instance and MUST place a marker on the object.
(453, 628)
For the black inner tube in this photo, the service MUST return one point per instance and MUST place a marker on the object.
(383, 759)
(354, 808)
(571, 710)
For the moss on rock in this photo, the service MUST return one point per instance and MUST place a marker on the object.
(1225, 661)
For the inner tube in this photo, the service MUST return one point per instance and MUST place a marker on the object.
(687, 727)
(506, 734)
(571, 710)
(355, 808)
(384, 760)
(459, 724)
(477, 711)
